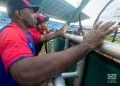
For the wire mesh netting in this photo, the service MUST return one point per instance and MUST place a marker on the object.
(112, 13)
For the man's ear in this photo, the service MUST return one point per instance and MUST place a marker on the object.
(18, 14)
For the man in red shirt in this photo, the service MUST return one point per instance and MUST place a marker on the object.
(18, 65)
(42, 27)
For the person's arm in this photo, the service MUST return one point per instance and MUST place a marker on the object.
(35, 70)
(31, 71)
(53, 35)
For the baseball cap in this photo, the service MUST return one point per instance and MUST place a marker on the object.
(40, 18)
(13, 5)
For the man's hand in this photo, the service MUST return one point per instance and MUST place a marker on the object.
(96, 36)
(64, 29)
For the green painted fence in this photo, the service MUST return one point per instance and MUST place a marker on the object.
(99, 70)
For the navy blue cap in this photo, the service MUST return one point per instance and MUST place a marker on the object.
(41, 18)
(13, 5)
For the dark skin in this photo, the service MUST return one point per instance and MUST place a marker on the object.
(43, 26)
(33, 71)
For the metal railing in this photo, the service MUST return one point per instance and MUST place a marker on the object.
(108, 48)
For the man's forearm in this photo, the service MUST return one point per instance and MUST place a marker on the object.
(44, 67)
(50, 36)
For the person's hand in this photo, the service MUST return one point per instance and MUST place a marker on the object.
(64, 29)
(96, 36)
